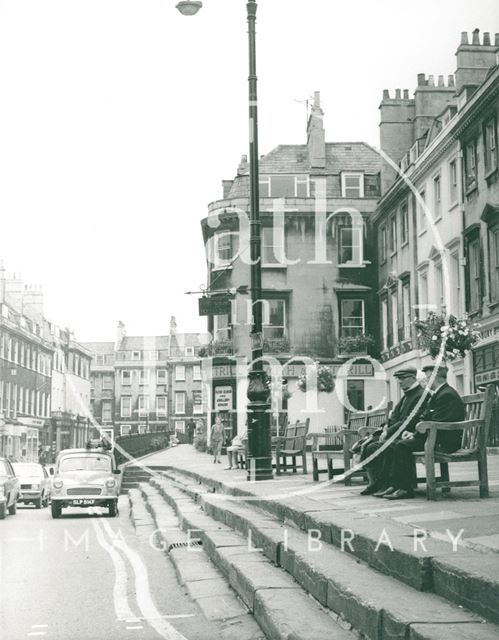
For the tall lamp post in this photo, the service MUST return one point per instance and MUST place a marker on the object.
(259, 438)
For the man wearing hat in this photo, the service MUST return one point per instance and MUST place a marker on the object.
(378, 469)
(444, 405)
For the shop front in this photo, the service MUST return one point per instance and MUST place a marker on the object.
(485, 372)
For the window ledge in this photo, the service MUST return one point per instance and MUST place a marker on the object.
(437, 219)
(347, 265)
(274, 266)
(490, 173)
(470, 189)
(422, 232)
(220, 268)
(493, 304)
(393, 253)
(453, 205)
(404, 244)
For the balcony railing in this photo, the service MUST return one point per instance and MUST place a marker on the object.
(217, 348)
(276, 345)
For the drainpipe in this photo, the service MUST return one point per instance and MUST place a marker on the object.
(468, 359)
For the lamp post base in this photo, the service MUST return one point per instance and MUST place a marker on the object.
(259, 464)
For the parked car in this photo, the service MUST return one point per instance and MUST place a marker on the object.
(35, 483)
(9, 489)
(84, 478)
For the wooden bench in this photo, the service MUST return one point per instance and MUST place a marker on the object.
(478, 412)
(359, 424)
(292, 444)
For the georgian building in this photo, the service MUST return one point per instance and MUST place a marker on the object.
(436, 222)
(316, 201)
(143, 384)
(25, 377)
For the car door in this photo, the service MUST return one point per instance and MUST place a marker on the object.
(11, 485)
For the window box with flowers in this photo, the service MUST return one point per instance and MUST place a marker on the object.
(325, 380)
(276, 345)
(217, 347)
(356, 345)
(447, 335)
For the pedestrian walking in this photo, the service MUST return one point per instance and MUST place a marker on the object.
(217, 438)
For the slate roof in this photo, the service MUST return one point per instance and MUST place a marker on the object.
(99, 348)
(340, 156)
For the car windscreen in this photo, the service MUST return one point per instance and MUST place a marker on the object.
(85, 463)
(31, 470)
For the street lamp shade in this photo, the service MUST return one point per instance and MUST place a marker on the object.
(189, 7)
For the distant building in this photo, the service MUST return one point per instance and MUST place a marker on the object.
(44, 377)
(144, 384)
(316, 201)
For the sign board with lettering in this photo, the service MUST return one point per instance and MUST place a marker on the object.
(214, 306)
(486, 364)
(223, 398)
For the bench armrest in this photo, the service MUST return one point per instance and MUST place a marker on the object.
(367, 431)
(422, 427)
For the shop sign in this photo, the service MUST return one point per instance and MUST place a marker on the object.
(223, 371)
(486, 364)
(223, 398)
(31, 422)
(215, 306)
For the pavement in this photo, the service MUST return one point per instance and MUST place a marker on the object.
(460, 511)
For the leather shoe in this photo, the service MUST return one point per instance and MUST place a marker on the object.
(400, 494)
(384, 492)
(369, 490)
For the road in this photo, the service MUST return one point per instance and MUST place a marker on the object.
(66, 579)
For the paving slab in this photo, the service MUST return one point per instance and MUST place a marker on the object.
(221, 607)
(210, 587)
(242, 627)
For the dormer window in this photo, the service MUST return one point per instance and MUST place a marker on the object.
(284, 186)
(352, 185)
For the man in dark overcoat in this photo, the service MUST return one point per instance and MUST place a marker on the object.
(379, 468)
(444, 405)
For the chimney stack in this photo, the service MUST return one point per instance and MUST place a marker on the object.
(32, 303)
(120, 334)
(243, 168)
(474, 60)
(173, 326)
(430, 101)
(316, 136)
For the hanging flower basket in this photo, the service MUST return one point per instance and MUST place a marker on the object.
(325, 380)
(456, 336)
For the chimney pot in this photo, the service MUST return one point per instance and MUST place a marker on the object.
(397, 94)
(421, 79)
(441, 81)
(406, 94)
(431, 81)
(386, 94)
(451, 81)
(317, 99)
(486, 38)
(476, 36)
(464, 37)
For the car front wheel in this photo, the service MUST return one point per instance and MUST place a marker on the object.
(113, 509)
(38, 503)
(3, 510)
(56, 510)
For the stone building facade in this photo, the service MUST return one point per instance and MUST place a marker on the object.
(436, 223)
(144, 384)
(316, 201)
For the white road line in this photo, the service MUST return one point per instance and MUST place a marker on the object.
(121, 606)
(37, 633)
(38, 626)
(142, 590)
(137, 627)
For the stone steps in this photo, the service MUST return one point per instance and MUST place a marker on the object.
(467, 577)
(377, 601)
(227, 581)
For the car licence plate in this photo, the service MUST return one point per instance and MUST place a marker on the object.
(86, 501)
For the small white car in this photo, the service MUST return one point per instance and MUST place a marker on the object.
(35, 483)
(85, 478)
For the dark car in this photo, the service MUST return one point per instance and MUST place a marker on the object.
(9, 489)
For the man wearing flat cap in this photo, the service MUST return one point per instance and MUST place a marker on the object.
(444, 405)
(378, 469)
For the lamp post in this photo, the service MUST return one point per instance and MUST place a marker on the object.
(259, 439)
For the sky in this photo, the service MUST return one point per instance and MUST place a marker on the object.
(120, 118)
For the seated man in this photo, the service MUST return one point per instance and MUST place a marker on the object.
(237, 445)
(377, 470)
(444, 405)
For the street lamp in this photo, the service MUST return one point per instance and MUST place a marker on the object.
(259, 440)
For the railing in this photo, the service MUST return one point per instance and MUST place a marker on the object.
(139, 444)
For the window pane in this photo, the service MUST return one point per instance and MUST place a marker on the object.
(352, 318)
(283, 186)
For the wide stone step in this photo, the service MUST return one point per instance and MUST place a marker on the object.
(340, 578)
